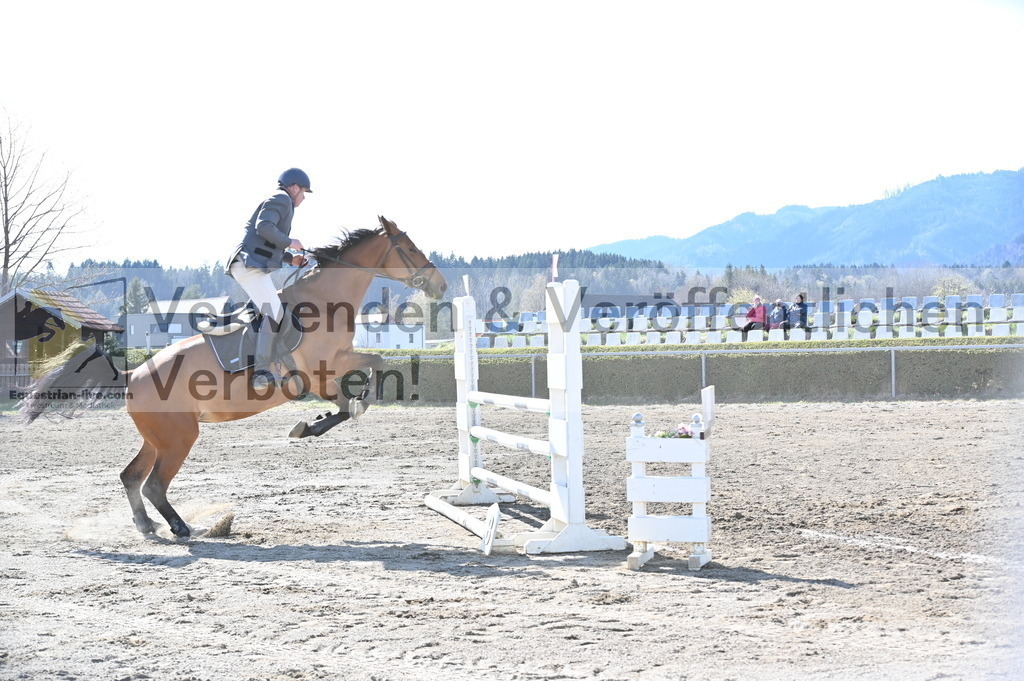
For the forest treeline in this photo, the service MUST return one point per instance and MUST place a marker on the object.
(516, 283)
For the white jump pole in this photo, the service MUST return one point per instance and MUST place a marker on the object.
(566, 530)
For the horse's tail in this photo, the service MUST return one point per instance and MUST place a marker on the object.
(73, 381)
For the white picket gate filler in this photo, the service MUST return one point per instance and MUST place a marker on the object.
(566, 529)
(643, 529)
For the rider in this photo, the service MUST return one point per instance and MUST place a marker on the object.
(261, 252)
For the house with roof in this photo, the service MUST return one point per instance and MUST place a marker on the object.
(38, 324)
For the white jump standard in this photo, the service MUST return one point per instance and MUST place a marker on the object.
(566, 530)
(695, 489)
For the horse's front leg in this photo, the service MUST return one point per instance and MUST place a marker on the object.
(351, 384)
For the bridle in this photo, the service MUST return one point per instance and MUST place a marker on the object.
(416, 278)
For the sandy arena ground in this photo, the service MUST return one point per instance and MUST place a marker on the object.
(851, 541)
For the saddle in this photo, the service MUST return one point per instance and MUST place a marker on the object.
(232, 337)
(228, 322)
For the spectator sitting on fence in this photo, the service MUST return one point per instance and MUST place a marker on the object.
(757, 316)
(777, 315)
(797, 317)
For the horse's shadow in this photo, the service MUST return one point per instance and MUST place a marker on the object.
(409, 557)
(434, 558)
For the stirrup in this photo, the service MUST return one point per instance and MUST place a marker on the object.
(264, 378)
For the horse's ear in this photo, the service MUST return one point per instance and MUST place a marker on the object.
(385, 223)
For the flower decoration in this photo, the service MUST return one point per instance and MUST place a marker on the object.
(682, 430)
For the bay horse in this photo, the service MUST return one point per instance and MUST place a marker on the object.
(183, 385)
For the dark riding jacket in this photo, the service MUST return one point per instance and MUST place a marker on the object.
(267, 234)
(798, 315)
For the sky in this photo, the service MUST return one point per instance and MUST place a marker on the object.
(488, 128)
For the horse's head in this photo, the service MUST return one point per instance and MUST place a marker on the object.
(405, 262)
(388, 252)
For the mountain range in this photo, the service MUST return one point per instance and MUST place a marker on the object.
(975, 219)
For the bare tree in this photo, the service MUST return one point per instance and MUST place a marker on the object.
(38, 213)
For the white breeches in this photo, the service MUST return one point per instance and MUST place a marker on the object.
(260, 287)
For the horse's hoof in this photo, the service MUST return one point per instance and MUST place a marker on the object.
(356, 408)
(180, 529)
(145, 526)
(299, 430)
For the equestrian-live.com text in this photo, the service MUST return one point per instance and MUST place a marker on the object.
(68, 395)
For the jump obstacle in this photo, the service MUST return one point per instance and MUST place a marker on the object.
(566, 529)
(695, 489)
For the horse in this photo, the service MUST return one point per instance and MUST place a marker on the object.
(183, 385)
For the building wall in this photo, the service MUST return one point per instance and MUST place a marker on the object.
(389, 336)
(140, 325)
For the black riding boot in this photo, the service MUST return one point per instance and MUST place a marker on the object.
(262, 376)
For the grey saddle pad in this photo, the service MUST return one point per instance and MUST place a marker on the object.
(235, 351)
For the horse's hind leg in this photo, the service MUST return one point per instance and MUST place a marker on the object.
(172, 449)
(131, 477)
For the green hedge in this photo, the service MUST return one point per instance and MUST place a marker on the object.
(963, 373)
(628, 379)
(833, 375)
(136, 356)
(651, 378)
(661, 378)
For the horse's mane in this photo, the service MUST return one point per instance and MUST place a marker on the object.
(331, 255)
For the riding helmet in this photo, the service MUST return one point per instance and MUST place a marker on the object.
(294, 176)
